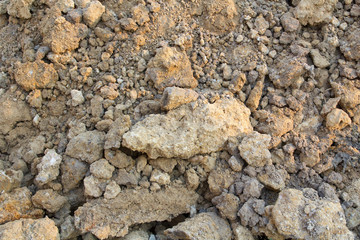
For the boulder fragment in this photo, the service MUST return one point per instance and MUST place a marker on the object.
(314, 12)
(20, 8)
(174, 97)
(351, 46)
(201, 227)
(38, 74)
(93, 12)
(10, 179)
(48, 168)
(48, 199)
(254, 149)
(184, 132)
(337, 119)
(170, 68)
(113, 217)
(25, 229)
(72, 172)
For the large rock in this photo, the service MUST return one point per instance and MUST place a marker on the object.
(351, 46)
(112, 217)
(203, 226)
(20, 8)
(170, 68)
(87, 146)
(174, 97)
(304, 215)
(38, 74)
(29, 229)
(347, 91)
(49, 199)
(314, 12)
(16, 205)
(12, 110)
(185, 132)
(287, 70)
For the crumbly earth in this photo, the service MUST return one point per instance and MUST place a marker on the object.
(179, 119)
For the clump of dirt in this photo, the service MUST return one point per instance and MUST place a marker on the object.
(179, 119)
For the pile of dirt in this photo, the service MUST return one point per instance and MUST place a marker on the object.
(179, 119)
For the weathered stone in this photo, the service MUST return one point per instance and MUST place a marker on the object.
(330, 105)
(10, 179)
(287, 70)
(112, 190)
(192, 179)
(289, 23)
(303, 215)
(255, 95)
(49, 199)
(125, 178)
(113, 217)
(20, 8)
(251, 212)
(184, 132)
(38, 74)
(352, 194)
(11, 112)
(227, 204)
(165, 164)
(48, 168)
(87, 146)
(337, 119)
(77, 97)
(60, 35)
(117, 129)
(68, 230)
(174, 97)
(241, 233)
(137, 235)
(72, 172)
(254, 149)
(203, 226)
(118, 158)
(25, 229)
(102, 169)
(235, 164)
(170, 68)
(319, 60)
(93, 12)
(160, 177)
(273, 178)
(251, 189)
(220, 179)
(94, 187)
(349, 94)
(276, 124)
(237, 83)
(16, 205)
(314, 12)
(140, 14)
(351, 46)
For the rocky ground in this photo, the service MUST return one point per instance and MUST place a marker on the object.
(180, 119)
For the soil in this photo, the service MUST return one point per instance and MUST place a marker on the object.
(179, 119)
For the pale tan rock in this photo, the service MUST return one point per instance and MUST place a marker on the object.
(192, 179)
(160, 177)
(10, 179)
(330, 105)
(241, 233)
(235, 164)
(112, 190)
(220, 179)
(93, 187)
(61, 35)
(136, 235)
(140, 14)
(102, 169)
(227, 204)
(287, 70)
(118, 158)
(276, 124)
(38, 74)
(254, 149)
(203, 226)
(337, 119)
(165, 164)
(16, 205)
(180, 132)
(117, 129)
(113, 217)
(48, 168)
(20, 8)
(48, 199)
(68, 230)
(170, 68)
(174, 97)
(109, 92)
(303, 215)
(319, 60)
(28, 229)
(273, 178)
(77, 97)
(87, 146)
(255, 95)
(348, 92)
(314, 12)
(92, 13)
(351, 46)
(72, 173)
(12, 110)
(34, 98)
(352, 194)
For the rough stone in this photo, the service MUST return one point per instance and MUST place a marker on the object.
(140, 14)
(10, 179)
(251, 212)
(241, 233)
(92, 13)
(60, 35)
(289, 23)
(137, 235)
(49, 199)
(351, 46)
(227, 204)
(319, 60)
(303, 215)
(165, 164)
(220, 179)
(113, 217)
(102, 169)
(112, 190)
(125, 178)
(87, 146)
(67, 229)
(93, 186)
(314, 12)
(254, 149)
(235, 164)
(276, 124)
(273, 178)
(77, 97)
(117, 129)
(192, 179)
(174, 97)
(180, 132)
(16, 205)
(255, 95)
(48, 168)
(160, 177)
(337, 119)
(38, 74)
(11, 112)
(286, 71)
(170, 68)
(72, 173)
(352, 194)
(26, 229)
(251, 189)
(201, 227)
(348, 93)
(118, 158)
(20, 8)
